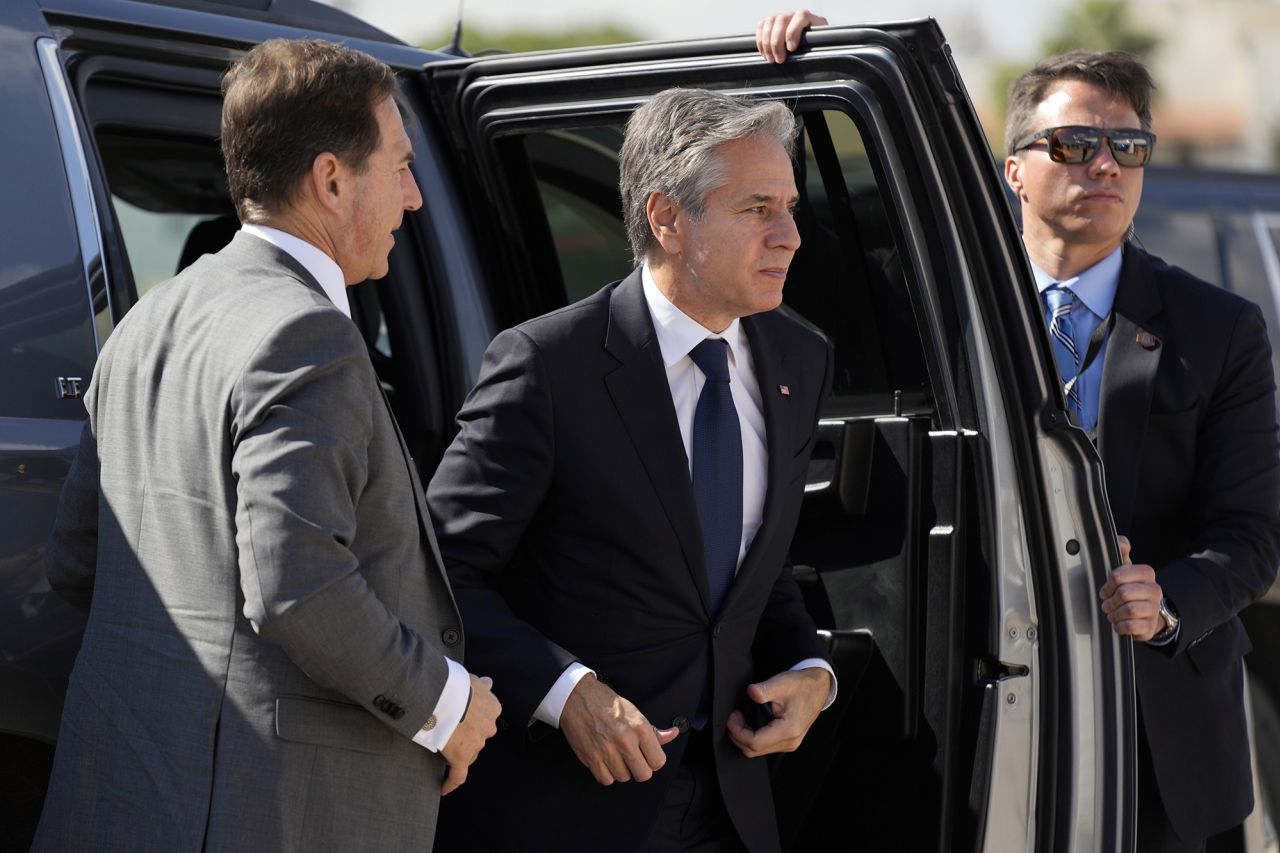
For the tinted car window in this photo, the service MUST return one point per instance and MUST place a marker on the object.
(848, 276)
(588, 242)
(846, 279)
(154, 240)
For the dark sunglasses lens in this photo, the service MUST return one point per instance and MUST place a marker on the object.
(1131, 148)
(1073, 144)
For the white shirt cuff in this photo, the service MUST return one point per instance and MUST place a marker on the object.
(819, 663)
(553, 703)
(450, 707)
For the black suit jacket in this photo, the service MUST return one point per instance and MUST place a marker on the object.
(1187, 433)
(567, 522)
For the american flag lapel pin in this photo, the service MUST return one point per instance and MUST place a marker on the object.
(784, 390)
(1146, 340)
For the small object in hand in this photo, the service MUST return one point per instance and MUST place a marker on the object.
(757, 715)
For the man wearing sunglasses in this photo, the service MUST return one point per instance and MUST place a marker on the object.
(1172, 378)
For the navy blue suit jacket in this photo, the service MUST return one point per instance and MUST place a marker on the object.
(1187, 434)
(566, 520)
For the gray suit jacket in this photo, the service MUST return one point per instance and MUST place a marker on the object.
(267, 615)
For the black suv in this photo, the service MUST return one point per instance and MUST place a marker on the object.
(954, 531)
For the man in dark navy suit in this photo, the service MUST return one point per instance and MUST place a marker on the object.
(616, 510)
(1173, 378)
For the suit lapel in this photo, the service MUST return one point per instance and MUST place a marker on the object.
(642, 396)
(1128, 374)
(770, 362)
(419, 495)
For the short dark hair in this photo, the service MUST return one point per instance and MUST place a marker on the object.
(1117, 71)
(285, 102)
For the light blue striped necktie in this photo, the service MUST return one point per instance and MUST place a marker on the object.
(1060, 302)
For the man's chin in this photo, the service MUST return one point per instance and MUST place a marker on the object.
(765, 304)
(1110, 236)
(370, 275)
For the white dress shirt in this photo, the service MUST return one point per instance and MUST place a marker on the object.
(322, 267)
(678, 334)
(457, 689)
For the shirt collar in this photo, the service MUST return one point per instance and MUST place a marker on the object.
(677, 332)
(1095, 287)
(323, 268)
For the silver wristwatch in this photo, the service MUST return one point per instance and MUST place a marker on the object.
(1170, 617)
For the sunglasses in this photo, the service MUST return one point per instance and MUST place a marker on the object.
(1077, 143)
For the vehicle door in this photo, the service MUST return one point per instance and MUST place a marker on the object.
(955, 530)
(53, 306)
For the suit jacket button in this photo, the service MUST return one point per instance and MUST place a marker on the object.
(715, 631)
(451, 636)
(681, 723)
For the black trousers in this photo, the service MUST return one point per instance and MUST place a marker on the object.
(693, 818)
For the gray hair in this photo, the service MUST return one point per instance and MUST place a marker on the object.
(672, 144)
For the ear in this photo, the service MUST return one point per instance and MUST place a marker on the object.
(326, 181)
(1013, 174)
(664, 220)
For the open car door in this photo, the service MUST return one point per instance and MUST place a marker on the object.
(955, 529)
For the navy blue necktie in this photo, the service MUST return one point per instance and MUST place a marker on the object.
(717, 469)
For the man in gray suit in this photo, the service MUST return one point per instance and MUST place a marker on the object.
(270, 661)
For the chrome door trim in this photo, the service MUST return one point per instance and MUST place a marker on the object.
(79, 185)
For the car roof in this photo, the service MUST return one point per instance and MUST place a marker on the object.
(302, 14)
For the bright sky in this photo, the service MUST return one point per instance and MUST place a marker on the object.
(1006, 28)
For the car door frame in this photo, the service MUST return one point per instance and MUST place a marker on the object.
(1082, 737)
